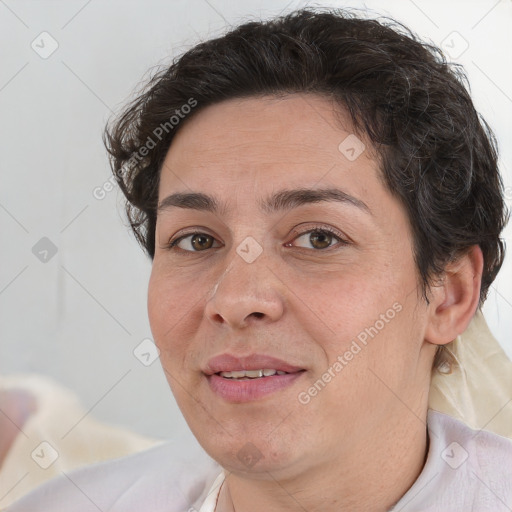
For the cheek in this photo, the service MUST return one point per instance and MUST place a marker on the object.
(175, 314)
(347, 302)
(166, 306)
(159, 300)
(367, 312)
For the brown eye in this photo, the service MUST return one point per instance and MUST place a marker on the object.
(193, 242)
(318, 239)
(200, 241)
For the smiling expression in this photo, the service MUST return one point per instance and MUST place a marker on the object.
(274, 251)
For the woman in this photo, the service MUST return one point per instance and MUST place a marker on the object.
(323, 208)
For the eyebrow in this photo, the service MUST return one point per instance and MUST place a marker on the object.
(278, 201)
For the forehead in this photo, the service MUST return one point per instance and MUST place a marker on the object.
(246, 125)
(269, 130)
(240, 146)
(243, 157)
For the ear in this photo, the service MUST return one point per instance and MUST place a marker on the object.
(455, 299)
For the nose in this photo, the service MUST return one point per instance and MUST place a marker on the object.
(246, 293)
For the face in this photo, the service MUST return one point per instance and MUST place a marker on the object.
(319, 284)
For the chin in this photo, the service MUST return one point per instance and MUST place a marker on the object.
(249, 454)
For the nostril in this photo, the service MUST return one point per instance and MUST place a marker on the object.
(257, 315)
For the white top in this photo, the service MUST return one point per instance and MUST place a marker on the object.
(465, 470)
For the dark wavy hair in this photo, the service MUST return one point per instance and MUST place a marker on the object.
(437, 155)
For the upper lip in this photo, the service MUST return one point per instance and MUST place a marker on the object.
(229, 363)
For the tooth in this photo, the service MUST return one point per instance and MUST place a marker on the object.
(251, 374)
(233, 375)
(254, 373)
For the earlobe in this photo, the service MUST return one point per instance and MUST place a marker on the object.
(456, 298)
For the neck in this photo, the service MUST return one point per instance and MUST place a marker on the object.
(372, 476)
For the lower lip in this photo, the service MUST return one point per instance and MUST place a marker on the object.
(249, 390)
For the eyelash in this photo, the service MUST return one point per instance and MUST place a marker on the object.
(172, 245)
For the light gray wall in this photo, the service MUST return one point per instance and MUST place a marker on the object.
(79, 316)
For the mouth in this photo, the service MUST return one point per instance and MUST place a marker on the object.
(250, 374)
(252, 366)
(250, 378)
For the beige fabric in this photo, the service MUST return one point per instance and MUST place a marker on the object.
(472, 380)
(54, 415)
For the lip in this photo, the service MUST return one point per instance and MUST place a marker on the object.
(229, 363)
(239, 391)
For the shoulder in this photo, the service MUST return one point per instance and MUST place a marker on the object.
(479, 447)
(466, 469)
(171, 477)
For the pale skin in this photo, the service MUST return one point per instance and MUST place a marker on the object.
(361, 442)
